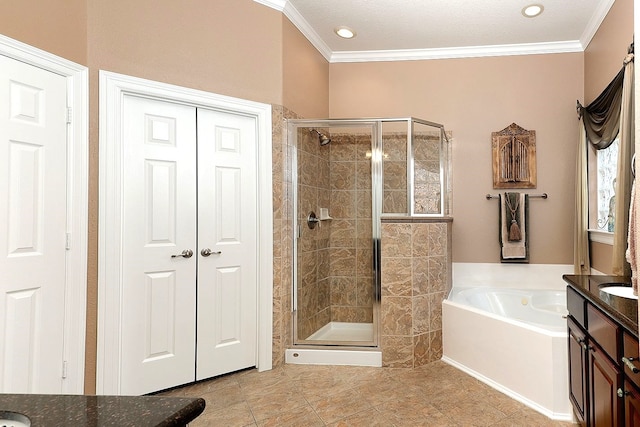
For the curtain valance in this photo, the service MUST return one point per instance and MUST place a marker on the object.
(601, 118)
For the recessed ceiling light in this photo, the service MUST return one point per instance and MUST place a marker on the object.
(345, 32)
(532, 10)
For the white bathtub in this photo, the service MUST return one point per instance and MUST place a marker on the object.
(512, 335)
(541, 308)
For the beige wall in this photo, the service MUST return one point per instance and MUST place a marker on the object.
(306, 75)
(604, 54)
(472, 98)
(230, 47)
(57, 26)
(602, 61)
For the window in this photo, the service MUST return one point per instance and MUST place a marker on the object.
(607, 170)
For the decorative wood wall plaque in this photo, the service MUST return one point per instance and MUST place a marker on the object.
(514, 157)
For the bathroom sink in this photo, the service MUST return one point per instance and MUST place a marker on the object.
(13, 419)
(619, 291)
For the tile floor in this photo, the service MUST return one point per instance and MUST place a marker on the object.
(302, 395)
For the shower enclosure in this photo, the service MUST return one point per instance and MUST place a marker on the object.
(347, 176)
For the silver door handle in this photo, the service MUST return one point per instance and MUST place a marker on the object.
(187, 253)
(207, 252)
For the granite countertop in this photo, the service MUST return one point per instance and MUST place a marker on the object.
(51, 410)
(623, 310)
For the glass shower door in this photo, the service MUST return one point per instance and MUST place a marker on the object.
(335, 279)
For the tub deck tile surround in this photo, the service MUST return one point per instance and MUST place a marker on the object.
(435, 394)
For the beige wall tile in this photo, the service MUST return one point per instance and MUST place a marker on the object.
(421, 314)
(396, 240)
(396, 277)
(397, 352)
(396, 316)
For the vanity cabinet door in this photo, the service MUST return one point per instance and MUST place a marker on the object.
(631, 406)
(630, 358)
(605, 409)
(578, 371)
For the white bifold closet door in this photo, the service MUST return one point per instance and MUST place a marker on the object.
(189, 259)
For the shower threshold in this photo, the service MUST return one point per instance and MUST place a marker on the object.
(337, 332)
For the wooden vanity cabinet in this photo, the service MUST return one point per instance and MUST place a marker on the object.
(631, 405)
(605, 406)
(632, 383)
(604, 370)
(578, 360)
(630, 360)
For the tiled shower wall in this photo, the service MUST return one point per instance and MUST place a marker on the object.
(351, 254)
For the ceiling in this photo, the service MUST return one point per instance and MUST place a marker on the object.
(390, 30)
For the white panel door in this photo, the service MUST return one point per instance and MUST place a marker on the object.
(159, 293)
(33, 169)
(227, 278)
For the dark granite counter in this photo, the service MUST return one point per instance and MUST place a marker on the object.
(624, 310)
(77, 410)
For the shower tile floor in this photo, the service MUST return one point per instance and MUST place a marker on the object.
(305, 395)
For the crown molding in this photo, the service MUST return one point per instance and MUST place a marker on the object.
(458, 52)
(595, 22)
(569, 46)
(301, 24)
(274, 4)
(306, 29)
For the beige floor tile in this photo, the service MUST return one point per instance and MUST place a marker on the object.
(223, 397)
(303, 416)
(271, 404)
(339, 405)
(320, 388)
(367, 418)
(471, 413)
(235, 415)
(433, 395)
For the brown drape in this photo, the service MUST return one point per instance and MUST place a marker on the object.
(602, 117)
(581, 261)
(624, 178)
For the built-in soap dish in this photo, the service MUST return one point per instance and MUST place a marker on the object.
(324, 214)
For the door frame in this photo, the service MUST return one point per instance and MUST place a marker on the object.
(113, 88)
(77, 77)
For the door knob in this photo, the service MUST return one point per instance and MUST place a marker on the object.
(207, 252)
(187, 253)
